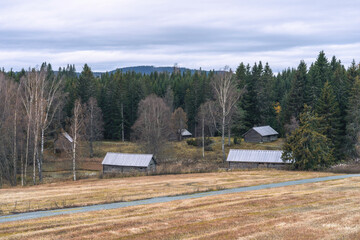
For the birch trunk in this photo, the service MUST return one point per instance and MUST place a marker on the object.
(74, 157)
(27, 145)
(75, 129)
(34, 159)
(229, 135)
(41, 157)
(15, 149)
(22, 169)
(223, 136)
(35, 153)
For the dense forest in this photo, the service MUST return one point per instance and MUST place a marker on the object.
(319, 103)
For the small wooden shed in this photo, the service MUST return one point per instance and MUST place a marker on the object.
(261, 134)
(185, 133)
(63, 142)
(240, 158)
(128, 162)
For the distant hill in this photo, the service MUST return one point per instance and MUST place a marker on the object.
(146, 70)
(151, 69)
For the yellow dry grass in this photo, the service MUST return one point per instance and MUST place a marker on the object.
(325, 210)
(180, 149)
(95, 191)
(177, 157)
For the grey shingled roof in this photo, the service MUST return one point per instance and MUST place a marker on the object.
(127, 159)
(67, 136)
(185, 133)
(265, 131)
(259, 156)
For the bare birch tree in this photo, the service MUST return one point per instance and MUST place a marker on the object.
(226, 95)
(93, 123)
(152, 126)
(235, 115)
(202, 114)
(32, 100)
(27, 97)
(50, 102)
(178, 122)
(76, 129)
(41, 99)
(8, 129)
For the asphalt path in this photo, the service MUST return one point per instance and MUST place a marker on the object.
(107, 206)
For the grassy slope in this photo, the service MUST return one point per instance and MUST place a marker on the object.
(95, 191)
(178, 157)
(326, 210)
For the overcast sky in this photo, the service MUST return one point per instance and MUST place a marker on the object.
(208, 34)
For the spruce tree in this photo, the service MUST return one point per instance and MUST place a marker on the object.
(249, 101)
(86, 84)
(340, 83)
(266, 109)
(307, 148)
(353, 121)
(297, 96)
(241, 75)
(319, 73)
(330, 124)
(71, 81)
(352, 72)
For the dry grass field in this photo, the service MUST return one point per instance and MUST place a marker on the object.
(326, 210)
(95, 191)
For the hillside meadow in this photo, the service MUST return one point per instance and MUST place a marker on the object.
(177, 157)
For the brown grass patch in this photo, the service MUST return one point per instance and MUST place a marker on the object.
(325, 210)
(96, 191)
(177, 157)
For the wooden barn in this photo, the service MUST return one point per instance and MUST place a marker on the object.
(126, 162)
(185, 133)
(63, 142)
(239, 158)
(261, 134)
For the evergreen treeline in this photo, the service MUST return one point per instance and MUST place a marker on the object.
(326, 87)
(268, 99)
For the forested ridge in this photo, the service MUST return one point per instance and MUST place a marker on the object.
(323, 98)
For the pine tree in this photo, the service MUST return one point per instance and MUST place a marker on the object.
(330, 124)
(307, 148)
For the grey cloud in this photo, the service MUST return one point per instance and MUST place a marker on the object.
(193, 32)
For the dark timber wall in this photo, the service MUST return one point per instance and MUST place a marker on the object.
(255, 137)
(252, 136)
(126, 169)
(251, 165)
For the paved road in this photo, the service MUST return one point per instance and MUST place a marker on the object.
(39, 214)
